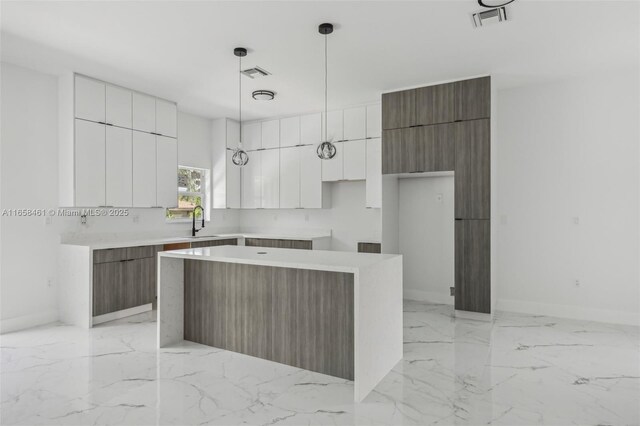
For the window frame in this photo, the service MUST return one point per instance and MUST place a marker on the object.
(205, 195)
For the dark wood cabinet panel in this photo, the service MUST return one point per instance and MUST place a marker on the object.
(473, 265)
(108, 287)
(369, 248)
(139, 282)
(401, 153)
(109, 255)
(435, 104)
(297, 317)
(437, 145)
(399, 109)
(472, 170)
(289, 244)
(473, 99)
(214, 243)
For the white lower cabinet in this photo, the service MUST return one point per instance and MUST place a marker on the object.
(354, 160)
(332, 170)
(252, 181)
(144, 170)
(89, 164)
(119, 167)
(290, 177)
(374, 173)
(311, 196)
(270, 181)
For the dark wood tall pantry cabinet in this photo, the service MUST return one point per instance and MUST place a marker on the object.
(446, 127)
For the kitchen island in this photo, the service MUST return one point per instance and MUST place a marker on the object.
(337, 313)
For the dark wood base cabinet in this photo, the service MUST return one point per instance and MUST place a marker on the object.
(290, 244)
(369, 248)
(297, 317)
(123, 278)
(214, 243)
(473, 265)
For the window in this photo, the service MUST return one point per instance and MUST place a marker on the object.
(193, 190)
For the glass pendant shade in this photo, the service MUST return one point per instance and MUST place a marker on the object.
(240, 157)
(326, 150)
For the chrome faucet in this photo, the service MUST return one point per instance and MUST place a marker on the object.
(193, 216)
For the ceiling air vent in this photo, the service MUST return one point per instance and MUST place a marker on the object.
(255, 72)
(491, 16)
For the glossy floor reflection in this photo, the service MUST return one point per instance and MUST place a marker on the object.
(520, 369)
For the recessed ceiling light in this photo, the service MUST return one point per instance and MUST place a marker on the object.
(263, 95)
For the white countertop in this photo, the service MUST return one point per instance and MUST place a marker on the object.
(322, 260)
(98, 243)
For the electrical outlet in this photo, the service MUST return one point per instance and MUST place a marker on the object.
(577, 283)
(48, 220)
(136, 218)
(576, 220)
(49, 282)
(439, 197)
(83, 219)
(452, 291)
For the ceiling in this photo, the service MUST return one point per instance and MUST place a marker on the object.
(183, 51)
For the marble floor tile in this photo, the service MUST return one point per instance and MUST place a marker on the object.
(516, 370)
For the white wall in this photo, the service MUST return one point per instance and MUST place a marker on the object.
(29, 179)
(569, 153)
(426, 237)
(348, 218)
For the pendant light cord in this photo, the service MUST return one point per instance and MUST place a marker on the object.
(326, 72)
(240, 99)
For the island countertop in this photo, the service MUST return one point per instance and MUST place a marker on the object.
(323, 260)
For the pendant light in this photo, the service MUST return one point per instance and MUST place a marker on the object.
(326, 150)
(240, 157)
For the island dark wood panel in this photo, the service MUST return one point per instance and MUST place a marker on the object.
(297, 317)
(290, 244)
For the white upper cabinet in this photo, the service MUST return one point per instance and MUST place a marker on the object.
(89, 164)
(251, 136)
(252, 182)
(311, 196)
(144, 113)
(311, 129)
(355, 123)
(290, 131)
(271, 134)
(374, 173)
(270, 179)
(354, 160)
(119, 167)
(89, 99)
(335, 126)
(166, 118)
(332, 170)
(118, 106)
(233, 133)
(166, 172)
(374, 121)
(144, 170)
(290, 177)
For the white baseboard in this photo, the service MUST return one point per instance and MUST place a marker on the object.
(427, 296)
(9, 325)
(569, 311)
(122, 314)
